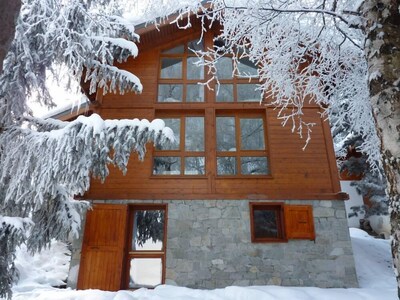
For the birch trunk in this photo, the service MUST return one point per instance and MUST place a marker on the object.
(383, 55)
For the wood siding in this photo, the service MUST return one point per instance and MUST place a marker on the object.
(294, 173)
(101, 265)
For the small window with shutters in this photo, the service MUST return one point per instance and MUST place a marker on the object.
(277, 222)
(267, 222)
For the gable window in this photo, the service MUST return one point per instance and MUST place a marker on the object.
(242, 87)
(146, 246)
(220, 133)
(180, 74)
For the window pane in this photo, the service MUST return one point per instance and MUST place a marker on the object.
(224, 93)
(177, 50)
(194, 134)
(195, 45)
(219, 45)
(226, 165)
(256, 165)
(170, 93)
(194, 71)
(171, 68)
(167, 165)
(194, 165)
(194, 93)
(252, 134)
(148, 230)
(145, 272)
(248, 93)
(224, 68)
(246, 67)
(266, 223)
(226, 138)
(175, 125)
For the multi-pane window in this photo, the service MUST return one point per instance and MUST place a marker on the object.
(146, 249)
(216, 132)
(186, 156)
(180, 74)
(241, 145)
(239, 88)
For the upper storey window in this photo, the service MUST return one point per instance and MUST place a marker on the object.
(180, 74)
(241, 145)
(237, 80)
(217, 134)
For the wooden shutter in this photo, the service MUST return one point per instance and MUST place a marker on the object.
(102, 258)
(299, 222)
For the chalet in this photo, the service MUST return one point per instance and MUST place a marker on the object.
(236, 201)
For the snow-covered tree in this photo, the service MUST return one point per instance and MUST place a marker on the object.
(371, 184)
(324, 51)
(44, 163)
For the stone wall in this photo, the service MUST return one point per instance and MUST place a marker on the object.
(209, 246)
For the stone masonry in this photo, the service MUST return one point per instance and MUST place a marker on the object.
(209, 246)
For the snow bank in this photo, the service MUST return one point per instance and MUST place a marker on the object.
(47, 269)
(373, 264)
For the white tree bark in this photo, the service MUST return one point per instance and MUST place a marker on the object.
(383, 55)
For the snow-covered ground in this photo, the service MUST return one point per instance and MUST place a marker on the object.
(372, 256)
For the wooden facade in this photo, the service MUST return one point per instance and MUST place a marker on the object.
(293, 173)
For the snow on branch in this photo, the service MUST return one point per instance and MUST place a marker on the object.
(70, 33)
(111, 78)
(305, 51)
(41, 171)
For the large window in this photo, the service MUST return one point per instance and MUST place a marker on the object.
(186, 156)
(220, 132)
(180, 74)
(146, 248)
(241, 145)
(239, 88)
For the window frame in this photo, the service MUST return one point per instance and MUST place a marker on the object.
(183, 80)
(239, 153)
(279, 208)
(235, 81)
(131, 254)
(210, 109)
(181, 152)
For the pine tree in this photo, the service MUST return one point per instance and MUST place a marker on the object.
(44, 163)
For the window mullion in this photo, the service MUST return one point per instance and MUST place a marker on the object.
(238, 141)
(183, 144)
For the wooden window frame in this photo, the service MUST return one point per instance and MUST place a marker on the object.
(235, 81)
(295, 222)
(238, 115)
(182, 153)
(183, 79)
(276, 206)
(144, 253)
(210, 109)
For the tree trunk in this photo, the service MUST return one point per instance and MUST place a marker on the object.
(383, 55)
(9, 10)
